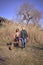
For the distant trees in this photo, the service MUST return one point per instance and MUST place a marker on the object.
(28, 12)
(4, 21)
(1, 21)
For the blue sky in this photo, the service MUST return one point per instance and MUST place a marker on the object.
(8, 8)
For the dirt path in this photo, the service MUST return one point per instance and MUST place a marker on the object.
(18, 56)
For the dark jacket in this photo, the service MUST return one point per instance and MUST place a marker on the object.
(23, 34)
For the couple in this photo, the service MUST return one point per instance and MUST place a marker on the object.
(20, 35)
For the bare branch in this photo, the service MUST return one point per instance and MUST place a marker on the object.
(27, 12)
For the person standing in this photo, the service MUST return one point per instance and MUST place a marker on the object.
(24, 36)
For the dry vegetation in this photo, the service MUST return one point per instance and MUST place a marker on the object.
(31, 55)
(8, 29)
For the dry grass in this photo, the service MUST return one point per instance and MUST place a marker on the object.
(31, 55)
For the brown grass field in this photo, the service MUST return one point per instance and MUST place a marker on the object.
(31, 55)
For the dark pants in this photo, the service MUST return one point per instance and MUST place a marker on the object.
(16, 41)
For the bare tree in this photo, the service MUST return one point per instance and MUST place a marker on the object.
(36, 16)
(28, 12)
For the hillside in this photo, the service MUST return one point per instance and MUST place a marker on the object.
(31, 55)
